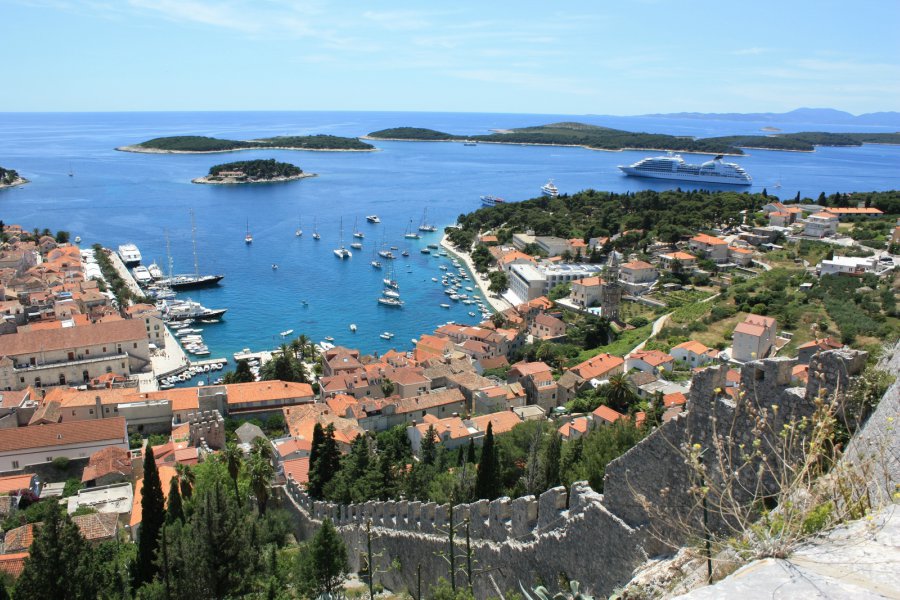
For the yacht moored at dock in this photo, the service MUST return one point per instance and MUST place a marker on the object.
(141, 275)
(179, 310)
(130, 255)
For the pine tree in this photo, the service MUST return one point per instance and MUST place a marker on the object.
(552, 454)
(174, 508)
(487, 483)
(325, 564)
(428, 450)
(327, 463)
(60, 562)
(152, 517)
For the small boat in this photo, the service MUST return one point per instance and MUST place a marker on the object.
(425, 250)
(376, 264)
(445, 306)
(274, 267)
(470, 143)
(77, 239)
(356, 246)
(248, 239)
(393, 302)
(328, 338)
(394, 248)
(471, 314)
(316, 235)
(389, 293)
(353, 327)
(386, 254)
(373, 219)
(386, 335)
(390, 282)
(434, 246)
(286, 333)
(549, 189)
(356, 232)
(434, 279)
(405, 253)
(299, 231)
(491, 200)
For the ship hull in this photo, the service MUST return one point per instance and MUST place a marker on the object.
(196, 284)
(684, 177)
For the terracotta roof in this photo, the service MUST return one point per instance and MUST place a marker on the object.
(494, 362)
(709, 240)
(607, 414)
(15, 344)
(824, 215)
(749, 329)
(108, 461)
(654, 358)
(854, 211)
(47, 413)
(597, 366)
(578, 424)
(674, 399)
(98, 526)
(14, 483)
(501, 422)
(637, 264)
(822, 344)
(264, 391)
(524, 369)
(59, 434)
(679, 256)
(340, 402)
(589, 281)
(430, 400)
(297, 469)
(450, 428)
(19, 538)
(512, 256)
(293, 445)
(740, 250)
(182, 399)
(800, 372)
(692, 346)
(13, 563)
(14, 399)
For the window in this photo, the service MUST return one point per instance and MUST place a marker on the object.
(62, 379)
(104, 349)
(15, 464)
(87, 351)
(91, 411)
(135, 344)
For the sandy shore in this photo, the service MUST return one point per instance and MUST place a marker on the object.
(19, 181)
(231, 181)
(497, 303)
(142, 150)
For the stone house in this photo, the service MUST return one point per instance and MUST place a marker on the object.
(650, 361)
(709, 247)
(694, 354)
(821, 224)
(537, 380)
(753, 338)
(40, 444)
(547, 327)
(587, 292)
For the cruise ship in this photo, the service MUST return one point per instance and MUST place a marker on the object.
(549, 189)
(130, 255)
(491, 200)
(672, 166)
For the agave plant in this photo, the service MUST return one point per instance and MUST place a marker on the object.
(542, 593)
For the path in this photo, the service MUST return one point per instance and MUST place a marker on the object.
(661, 322)
(125, 274)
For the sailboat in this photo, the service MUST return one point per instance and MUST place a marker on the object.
(342, 252)
(356, 232)
(188, 281)
(390, 296)
(316, 235)
(376, 264)
(71, 172)
(410, 233)
(426, 226)
(248, 239)
(389, 280)
(299, 231)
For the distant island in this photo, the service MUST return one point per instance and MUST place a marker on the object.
(252, 171)
(604, 138)
(197, 144)
(796, 116)
(10, 178)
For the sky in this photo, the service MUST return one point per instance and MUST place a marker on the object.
(615, 57)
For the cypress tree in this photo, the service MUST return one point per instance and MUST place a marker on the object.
(327, 463)
(470, 453)
(551, 460)
(325, 564)
(174, 508)
(318, 440)
(487, 484)
(152, 517)
(60, 562)
(428, 450)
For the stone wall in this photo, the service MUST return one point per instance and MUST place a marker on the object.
(597, 539)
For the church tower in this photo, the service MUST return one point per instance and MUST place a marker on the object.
(612, 289)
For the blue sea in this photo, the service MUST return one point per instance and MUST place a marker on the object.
(118, 197)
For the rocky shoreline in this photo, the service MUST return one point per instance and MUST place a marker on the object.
(17, 182)
(234, 181)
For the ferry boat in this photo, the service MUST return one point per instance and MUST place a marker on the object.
(130, 255)
(549, 189)
(491, 200)
(373, 219)
(672, 166)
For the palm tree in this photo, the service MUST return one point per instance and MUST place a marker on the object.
(233, 459)
(185, 479)
(619, 394)
(261, 474)
(262, 447)
(303, 342)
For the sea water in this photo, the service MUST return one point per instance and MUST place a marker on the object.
(119, 197)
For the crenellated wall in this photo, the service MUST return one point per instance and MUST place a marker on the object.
(597, 539)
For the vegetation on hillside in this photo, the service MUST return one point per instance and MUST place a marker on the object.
(198, 143)
(8, 176)
(257, 170)
(605, 138)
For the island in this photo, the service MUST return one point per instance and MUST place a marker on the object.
(252, 171)
(198, 144)
(10, 178)
(596, 137)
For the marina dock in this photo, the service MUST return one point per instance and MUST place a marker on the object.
(125, 274)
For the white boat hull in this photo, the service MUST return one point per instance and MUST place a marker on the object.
(684, 177)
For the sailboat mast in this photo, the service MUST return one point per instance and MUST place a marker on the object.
(194, 243)
(168, 254)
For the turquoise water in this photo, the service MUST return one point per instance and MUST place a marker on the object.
(118, 197)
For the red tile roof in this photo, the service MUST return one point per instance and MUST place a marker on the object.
(15, 483)
(98, 526)
(297, 469)
(674, 399)
(60, 434)
(20, 538)
(654, 358)
(501, 422)
(708, 240)
(607, 414)
(13, 564)
(108, 461)
(15, 344)
(597, 366)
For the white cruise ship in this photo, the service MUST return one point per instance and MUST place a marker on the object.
(130, 255)
(672, 166)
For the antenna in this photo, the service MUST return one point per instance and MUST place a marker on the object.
(194, 242)
(168, 254)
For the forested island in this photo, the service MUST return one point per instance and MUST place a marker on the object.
(193, 144)
(9, 178)
(604, 138)
(253, 171)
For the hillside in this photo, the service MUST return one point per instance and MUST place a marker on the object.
(9, 178)
(186, 144)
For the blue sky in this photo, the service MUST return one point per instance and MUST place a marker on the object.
(577, 57)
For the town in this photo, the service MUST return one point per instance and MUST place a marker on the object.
(595, 343)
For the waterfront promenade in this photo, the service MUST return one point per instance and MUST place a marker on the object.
(497, 303)
(125, 274)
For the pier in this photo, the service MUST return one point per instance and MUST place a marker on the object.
(125, 274)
